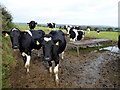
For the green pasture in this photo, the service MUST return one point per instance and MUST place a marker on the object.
(93, 34)
(103, 35)
(46, 29)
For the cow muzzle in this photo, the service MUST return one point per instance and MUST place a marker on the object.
(15, 47)
(47, 58)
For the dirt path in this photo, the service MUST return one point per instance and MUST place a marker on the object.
(89, 70)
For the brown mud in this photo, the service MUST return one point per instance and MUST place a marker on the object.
(89, 70)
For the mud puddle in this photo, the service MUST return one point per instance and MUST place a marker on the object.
(112, 49)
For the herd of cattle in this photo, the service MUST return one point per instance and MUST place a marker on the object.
(52, 44)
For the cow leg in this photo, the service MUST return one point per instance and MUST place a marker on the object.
(71, 39)
(63, 55)
(82, 37)
(74, 39)
(26, 60)
(27, 64)
(56, 72)
(50, 66)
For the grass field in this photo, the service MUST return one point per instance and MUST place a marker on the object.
(46, 29)
(103, 35)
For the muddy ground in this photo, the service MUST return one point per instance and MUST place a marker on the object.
(89, 70)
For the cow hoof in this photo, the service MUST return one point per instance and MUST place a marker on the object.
(51, 73)
(27, 67)
(28, 70)
(57, 82)
(50, 70)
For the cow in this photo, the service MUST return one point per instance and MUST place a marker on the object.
(25, 41)
(88, 30)
(53, 44)
(77, 27)
(32, 24)
(73, 27)
(119, 41)
(51, 25)
(98, 31)
(75, 35)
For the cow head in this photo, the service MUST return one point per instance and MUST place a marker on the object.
(14, 34)
(51, 25)
(32, 24)
(68, 29)
(47, 47)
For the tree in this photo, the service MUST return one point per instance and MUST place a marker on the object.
(110, 29)
(88, 27)
(6, 18)
(80, 28)
(96, 28)
(39, 25)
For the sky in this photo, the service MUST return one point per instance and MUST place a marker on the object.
(76, 12)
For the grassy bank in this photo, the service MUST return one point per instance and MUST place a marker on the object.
(7, 61)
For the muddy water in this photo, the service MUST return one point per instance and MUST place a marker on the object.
(112, 49)
(89, 70)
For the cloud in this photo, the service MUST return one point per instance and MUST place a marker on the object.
(64, 11)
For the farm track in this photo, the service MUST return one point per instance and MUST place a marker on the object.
(89, 70)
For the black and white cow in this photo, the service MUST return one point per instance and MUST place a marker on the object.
(119, 41)
(72, 27)
(98, 31)
(32, 24)
(88, 30)
(53, 44)
(77, 27)
(75, 35)
(25, 41)
(51, 25)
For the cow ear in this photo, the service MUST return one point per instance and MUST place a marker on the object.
(6, 33)
(28, 23)
(36, 23)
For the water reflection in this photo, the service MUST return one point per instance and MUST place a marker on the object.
(112, 49)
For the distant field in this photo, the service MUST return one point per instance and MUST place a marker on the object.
(46, 29)
(104, 35)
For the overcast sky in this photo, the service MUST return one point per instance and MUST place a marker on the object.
(79, 12)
